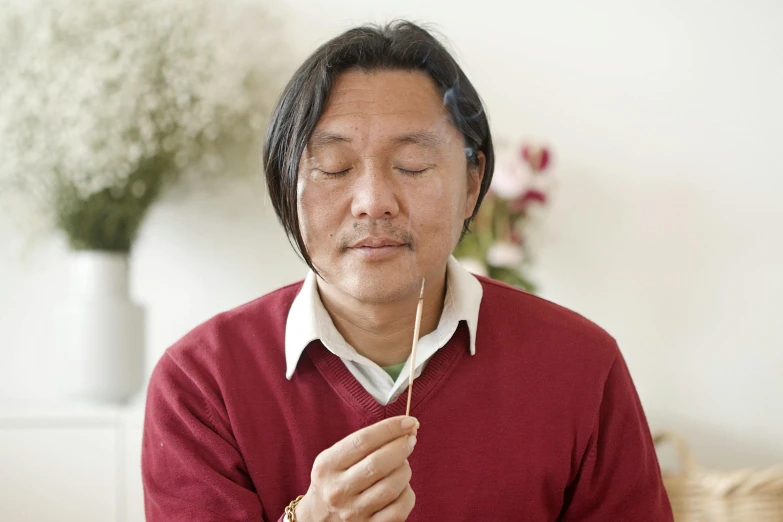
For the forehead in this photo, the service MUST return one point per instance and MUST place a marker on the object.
(383, 104)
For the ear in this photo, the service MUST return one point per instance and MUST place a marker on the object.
(475, 177)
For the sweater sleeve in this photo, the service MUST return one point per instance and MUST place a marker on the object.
(619, 477)
(192, 469)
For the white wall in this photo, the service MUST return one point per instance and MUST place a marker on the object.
(666, 121)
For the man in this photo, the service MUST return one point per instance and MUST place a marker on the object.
(377, 157)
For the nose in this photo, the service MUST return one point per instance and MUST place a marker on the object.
(375, 195)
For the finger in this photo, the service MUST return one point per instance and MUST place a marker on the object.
(358, 445)
(397, 510)
(379, 464)
(385, 491)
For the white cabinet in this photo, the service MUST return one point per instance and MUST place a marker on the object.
(66, 463)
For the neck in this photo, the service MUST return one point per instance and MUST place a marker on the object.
(383, 332)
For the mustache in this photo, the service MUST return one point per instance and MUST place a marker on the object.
(360, 231)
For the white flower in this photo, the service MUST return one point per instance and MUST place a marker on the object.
(473, 266)
(511, 177)
(90, 88)
(505, 254)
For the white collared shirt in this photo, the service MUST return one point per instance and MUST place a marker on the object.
(308, 320)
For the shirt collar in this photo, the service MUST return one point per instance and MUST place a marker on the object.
(308, 320)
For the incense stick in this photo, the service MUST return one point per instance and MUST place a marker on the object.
(415, 342)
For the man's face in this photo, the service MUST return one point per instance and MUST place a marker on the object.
(384, 185)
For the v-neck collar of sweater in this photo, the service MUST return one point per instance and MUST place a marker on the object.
(342, 381)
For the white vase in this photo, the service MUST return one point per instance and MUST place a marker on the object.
(104, 361)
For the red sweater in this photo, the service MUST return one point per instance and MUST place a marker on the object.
(542, 424)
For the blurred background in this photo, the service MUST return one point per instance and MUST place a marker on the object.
(665, 122)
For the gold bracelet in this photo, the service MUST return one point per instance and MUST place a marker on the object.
(290, 511)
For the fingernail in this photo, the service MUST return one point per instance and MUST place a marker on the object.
(408, 423)
(412, 441)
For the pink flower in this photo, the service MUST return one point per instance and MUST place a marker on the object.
(537, 157)
(531, 196)
(511, 177)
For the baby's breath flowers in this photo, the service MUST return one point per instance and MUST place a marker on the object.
(105, 103)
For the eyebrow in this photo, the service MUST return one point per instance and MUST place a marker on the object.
(423, 138)
(321, 139)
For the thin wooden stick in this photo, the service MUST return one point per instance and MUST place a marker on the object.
(416, 329)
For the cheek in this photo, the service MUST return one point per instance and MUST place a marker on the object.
(311, 213)
(438, 212)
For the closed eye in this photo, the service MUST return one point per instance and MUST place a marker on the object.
(335, 173)
(412, 172)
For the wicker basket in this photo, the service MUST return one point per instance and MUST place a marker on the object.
(698, 495)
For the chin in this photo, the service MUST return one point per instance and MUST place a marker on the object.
(376, 286)
(376, 291)
(375, 282)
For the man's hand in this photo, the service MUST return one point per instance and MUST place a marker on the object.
(364, 477)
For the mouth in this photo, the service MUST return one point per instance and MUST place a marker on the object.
(377, 249)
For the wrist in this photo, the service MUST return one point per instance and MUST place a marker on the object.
(291, 512)
(304, 511)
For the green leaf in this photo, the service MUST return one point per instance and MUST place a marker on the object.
(110, 219)
(512, 277)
